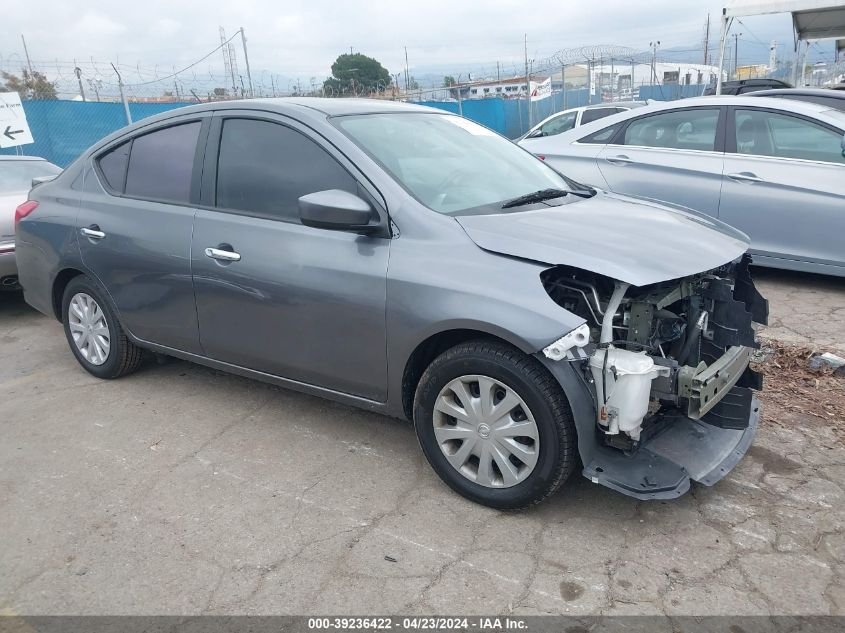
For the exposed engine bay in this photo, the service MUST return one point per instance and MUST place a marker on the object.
(654, 353)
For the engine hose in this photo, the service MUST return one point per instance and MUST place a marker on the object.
(692, 338)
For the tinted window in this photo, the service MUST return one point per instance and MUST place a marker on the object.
(559, 124)
(113, 166)
(693, 129)
(161, 163)
(602, 136)
(264, 168)
(595, 114)
(769, 134)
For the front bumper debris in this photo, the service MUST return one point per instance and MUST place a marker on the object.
(685, 450)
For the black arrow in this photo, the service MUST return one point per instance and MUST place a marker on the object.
(9, 132)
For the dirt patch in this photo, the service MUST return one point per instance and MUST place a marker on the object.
(791, 387)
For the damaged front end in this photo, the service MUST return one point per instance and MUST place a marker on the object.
(667, 367)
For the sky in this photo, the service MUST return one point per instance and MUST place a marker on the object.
(299, 39)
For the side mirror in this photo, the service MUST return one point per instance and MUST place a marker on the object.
(337, 210)
(535, 134)
(843, 145)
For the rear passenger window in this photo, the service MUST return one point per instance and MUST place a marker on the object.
(113, 166)
(602, 136)
(692, 129)
(594, 114)
(264, 168)
(161, 164)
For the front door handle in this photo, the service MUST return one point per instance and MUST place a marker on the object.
(621, 159)
(745, 176)
(225, 256)
(92, 232)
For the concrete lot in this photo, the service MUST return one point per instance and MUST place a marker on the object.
(181, 490)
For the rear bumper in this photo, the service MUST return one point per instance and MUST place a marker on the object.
(685, 450)
(8, 265)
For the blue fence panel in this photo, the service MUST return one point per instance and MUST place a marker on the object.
(509, 117)
(671, 92)
(62, 130)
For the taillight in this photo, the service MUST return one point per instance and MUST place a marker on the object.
(24, 210)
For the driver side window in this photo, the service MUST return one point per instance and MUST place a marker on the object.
(558, 125)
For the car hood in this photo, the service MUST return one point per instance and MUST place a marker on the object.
(632, 240)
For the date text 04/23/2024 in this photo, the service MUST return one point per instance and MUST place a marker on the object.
(426, 623)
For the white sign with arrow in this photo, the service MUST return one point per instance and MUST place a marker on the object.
(14, 129)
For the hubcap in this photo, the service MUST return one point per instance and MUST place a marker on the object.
(89, 328)
(486, 431)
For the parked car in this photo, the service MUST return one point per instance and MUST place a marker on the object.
(16, 179)
(831, 98)
(773, 168)
(575, 117)
(744, 86)
(410, 262)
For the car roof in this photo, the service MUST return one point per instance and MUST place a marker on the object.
(330, 107)
(800, 92)
(615, 104)
(15, 157)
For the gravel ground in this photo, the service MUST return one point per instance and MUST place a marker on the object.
(181, 490)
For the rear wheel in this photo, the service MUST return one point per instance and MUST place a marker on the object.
(95, 337)
(495, 425)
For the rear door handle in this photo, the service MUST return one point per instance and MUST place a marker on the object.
(621, 159)
(745, 176)
(92, 232)
(225, 256)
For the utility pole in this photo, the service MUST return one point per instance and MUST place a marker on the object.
(407, 76)
(707, 40)
(654, 46)
(122, 95)
(563, 83)
(736, 53)
(527, 82)
(26, 53)
(78, 72)
(246, 61)
(498, 75)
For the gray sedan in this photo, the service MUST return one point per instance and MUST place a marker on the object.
(773, 168)
(414, 263)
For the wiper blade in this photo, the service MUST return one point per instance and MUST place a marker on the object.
(536, 196)
(584, 192)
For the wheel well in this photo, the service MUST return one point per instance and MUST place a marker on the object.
(59, 285)
(425, 353)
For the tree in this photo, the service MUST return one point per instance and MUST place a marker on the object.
(448, 80)
(32, 86)
(356, 74)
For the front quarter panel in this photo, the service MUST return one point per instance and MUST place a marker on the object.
(443, 283)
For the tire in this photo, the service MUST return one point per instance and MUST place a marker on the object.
(122, 356)
(524, 481)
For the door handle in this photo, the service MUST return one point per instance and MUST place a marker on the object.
(225, 256)
(92, 232)
(621, 159)
(745, 176)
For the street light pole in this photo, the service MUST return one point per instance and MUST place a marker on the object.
(736, 53)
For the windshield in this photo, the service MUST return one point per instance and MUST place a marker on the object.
(449, 163)
(17, 175)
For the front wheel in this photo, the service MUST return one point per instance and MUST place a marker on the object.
(495, 425)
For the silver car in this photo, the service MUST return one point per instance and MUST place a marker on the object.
(772, 168)
(413, 263)
(16, 176)
(569, 119)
